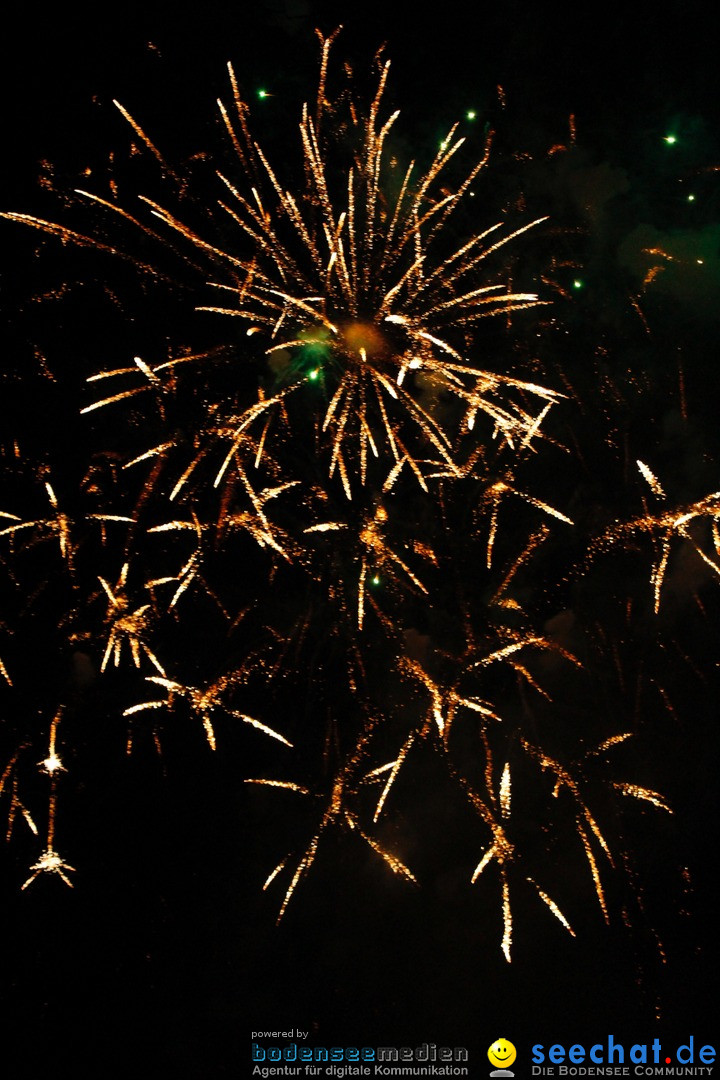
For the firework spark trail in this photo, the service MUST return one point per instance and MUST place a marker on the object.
(50, 862)
(126, 625)
(9, 778)
(666, 526)
(4, 673)
(204, 701)
(493, 498)
(59, 526)
(338, 813)
(446, 701)
(503, 852)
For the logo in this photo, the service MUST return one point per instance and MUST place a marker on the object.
(501, 1054)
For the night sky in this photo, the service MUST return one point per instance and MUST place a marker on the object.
(166, 952)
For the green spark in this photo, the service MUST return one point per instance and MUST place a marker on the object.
(670, 139)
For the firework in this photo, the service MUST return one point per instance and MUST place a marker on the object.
(333, 514)
(50, 861)
(58, 526)
(349, 289)
(683, 524)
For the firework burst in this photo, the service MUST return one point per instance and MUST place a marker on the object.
(334, 486)
(697, 525)
(348, 287)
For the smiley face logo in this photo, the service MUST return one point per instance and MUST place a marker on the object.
(502, 1053)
